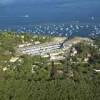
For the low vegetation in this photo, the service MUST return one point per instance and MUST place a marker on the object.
(37, 78)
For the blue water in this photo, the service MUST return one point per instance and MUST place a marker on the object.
(18, 14)
(12, 12)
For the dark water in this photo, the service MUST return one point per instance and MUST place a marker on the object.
(13, 12)
(22, 15)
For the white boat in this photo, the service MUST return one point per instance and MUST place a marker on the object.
(26, 16)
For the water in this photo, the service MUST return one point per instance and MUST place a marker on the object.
(58, 29)
(19, 14)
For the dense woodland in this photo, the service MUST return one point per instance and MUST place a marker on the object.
(78, 81)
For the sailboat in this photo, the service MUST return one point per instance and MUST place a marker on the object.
(26, 16)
